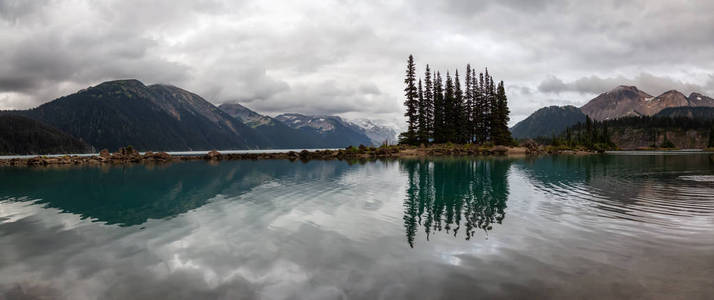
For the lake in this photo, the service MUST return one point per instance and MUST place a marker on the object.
(563, 227)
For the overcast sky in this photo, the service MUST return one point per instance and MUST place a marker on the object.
(348, 57)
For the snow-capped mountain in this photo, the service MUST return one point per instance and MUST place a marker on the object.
(377, 131)
(331, 128)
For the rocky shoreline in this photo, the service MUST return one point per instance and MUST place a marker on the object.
(130, 156)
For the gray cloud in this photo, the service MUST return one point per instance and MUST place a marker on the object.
(13, 10)
(348, 57)
(652, 84)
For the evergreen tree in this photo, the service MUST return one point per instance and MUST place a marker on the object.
(475, 110)
(468, 106)
(439, 111)
(459, 124)
(569, 137)
(488, 107)
(422, 129)
(503, 135)
(428, 104)
(449, 110)
(588, 132)
(411, 102)
(606, 136)
(482, 111)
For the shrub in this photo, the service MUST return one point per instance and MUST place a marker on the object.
(667, 144)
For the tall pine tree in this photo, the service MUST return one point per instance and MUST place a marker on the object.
(459, 112)
(502, 134)
(411, 102)
(481, 111)
(468, 106)
(439, 134)
(422, 128)
(449, 110)
(429, 104)
(488, 107)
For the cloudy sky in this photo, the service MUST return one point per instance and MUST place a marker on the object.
(347, 57)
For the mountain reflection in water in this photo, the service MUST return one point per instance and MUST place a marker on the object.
(132, 194)
(554, 227)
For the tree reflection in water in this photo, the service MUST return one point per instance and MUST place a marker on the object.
(454, 195)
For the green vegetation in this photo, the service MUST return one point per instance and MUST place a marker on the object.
(591, 135)
(597, 135)
(437, 112)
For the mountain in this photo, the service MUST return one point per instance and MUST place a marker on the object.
(697, 100)
(279, 135)
(696, 112)
(296, 137)
(620, 102)
(378, 133)
(22, 135)
(245, 115)
(156, 117)
(629, 101)
(548, 121)
(334, 132)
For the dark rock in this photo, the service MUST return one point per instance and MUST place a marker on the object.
(105, 154)
(159, 156)
(214, 155)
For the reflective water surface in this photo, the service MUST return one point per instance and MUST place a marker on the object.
(611, 226)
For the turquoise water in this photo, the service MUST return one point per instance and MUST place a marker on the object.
(611, 226)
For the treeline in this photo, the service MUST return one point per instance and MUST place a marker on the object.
(593, 135)
(685, 123)
(441, 110)
(596, 135)
(21, 135)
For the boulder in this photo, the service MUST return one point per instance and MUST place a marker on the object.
(159, 156)
(105, 154)
(37, 161)
(127, 154)
(214, 155)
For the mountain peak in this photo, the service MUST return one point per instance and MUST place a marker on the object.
(626, 87)
(621, 101)
(697, 99)
(627, 91)
(123, 82)
(548, 121)
(673, 92)
(672, 98)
